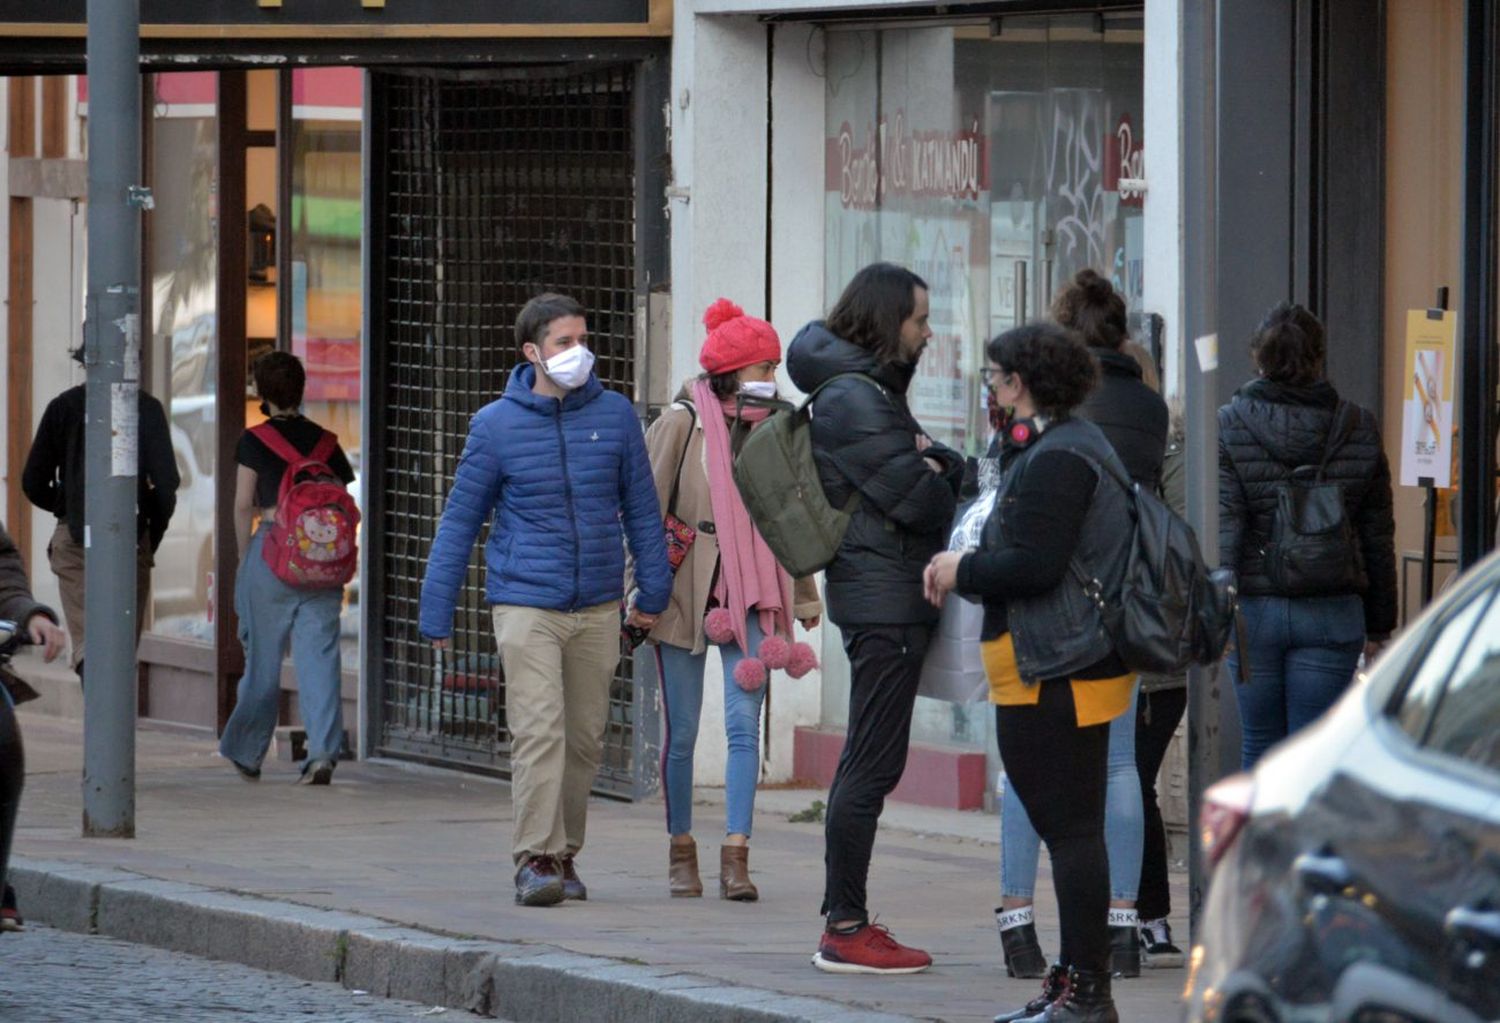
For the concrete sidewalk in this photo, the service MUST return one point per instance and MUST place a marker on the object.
(406, 872)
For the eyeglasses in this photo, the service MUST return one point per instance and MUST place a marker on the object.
(988, 374)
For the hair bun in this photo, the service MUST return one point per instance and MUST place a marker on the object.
(1094, 285)
(720, 313)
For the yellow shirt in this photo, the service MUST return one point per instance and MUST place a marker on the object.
(1095, 701)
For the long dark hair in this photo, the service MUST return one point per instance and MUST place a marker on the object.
(873, 306)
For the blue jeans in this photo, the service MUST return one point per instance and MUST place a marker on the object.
(272, 613)
(1303, 653)
(1124, 823)
(681, 673)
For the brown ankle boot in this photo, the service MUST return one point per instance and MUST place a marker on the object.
(682, 871)
(734, 874)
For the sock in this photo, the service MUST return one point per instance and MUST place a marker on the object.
(1124, 918)
(1011, 918)
(846, 929)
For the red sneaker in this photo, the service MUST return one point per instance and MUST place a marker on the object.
(871, 949)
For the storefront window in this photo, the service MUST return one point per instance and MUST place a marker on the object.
(184, 264)
(326, 223)
(990, 165)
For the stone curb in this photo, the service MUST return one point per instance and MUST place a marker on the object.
(517, 982)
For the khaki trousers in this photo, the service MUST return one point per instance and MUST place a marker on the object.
(558, 668)
(66, 558)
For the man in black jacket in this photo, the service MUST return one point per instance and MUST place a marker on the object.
(53, 481)
(865, 439)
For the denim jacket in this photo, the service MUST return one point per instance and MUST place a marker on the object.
(1062, 631)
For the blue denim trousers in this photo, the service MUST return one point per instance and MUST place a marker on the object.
(681, 673)
(1124, 823)
(273, 614)
(1303, 653)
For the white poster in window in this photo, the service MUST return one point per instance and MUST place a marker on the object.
(942, 392)
(1427, 407)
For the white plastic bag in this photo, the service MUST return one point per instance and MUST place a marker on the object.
(953, 669)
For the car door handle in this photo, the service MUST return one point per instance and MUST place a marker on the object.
(1476, 926)
(1323, 873)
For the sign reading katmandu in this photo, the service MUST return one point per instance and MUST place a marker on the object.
(887, 160)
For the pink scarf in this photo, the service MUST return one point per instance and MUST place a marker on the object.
(749, 575)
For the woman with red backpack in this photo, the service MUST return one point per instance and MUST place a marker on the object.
(289, 588)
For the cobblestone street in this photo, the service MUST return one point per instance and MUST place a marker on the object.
(51, 976)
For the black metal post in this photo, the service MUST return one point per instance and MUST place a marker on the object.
(1429, 512)
(1199, 29)
(1476, 416)
(111, 442)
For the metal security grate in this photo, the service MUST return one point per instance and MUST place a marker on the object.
(496, 187)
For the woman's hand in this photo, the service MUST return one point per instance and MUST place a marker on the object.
(941, 576)
(45, 634)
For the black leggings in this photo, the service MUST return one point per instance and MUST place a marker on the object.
(1156, 717)
(885, 664)
(12, 773)
(1058, 771)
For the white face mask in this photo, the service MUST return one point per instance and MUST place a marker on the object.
(759, 388)
(570, 369)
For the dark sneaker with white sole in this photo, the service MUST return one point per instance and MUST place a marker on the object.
(317, 772)
(1157, 950)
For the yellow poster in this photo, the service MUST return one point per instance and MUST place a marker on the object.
(1427, 405)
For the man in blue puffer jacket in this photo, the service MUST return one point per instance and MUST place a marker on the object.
(556, 466)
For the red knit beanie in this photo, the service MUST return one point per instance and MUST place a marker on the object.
(736, 340)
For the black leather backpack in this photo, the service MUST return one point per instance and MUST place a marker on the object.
(1312, 551)
(1171, 611)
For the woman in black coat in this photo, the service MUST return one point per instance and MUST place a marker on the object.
(1304, 637)
(866, 440)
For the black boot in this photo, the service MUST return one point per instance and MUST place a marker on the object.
(1086, 1000)
(1054, 986)
(1125, 951)
(1023, 954)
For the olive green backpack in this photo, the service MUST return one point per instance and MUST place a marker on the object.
(778, 480)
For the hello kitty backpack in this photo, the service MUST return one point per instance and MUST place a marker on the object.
(311, 544)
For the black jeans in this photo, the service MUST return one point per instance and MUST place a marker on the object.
(1156, 717)
(1058, 771)
(885, 663)
(12, 774)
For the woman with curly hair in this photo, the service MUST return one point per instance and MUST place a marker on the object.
(1055, 678)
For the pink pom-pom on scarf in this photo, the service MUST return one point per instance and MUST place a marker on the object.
(750, 674)
(718, 626)
(775, 652)
(801, 661)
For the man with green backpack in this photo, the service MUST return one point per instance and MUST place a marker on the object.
(892, 492)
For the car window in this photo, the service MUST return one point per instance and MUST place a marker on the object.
(1434, 666)
(1467, 721)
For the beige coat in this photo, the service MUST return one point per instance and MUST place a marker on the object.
(681, 624)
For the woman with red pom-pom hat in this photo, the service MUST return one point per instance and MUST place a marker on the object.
(728, 590)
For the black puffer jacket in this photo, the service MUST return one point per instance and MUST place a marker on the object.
(1269, 429)
(1131, 414)
(866, 438)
